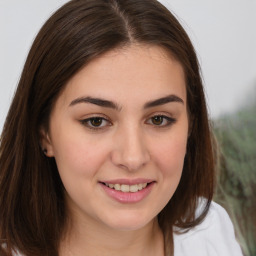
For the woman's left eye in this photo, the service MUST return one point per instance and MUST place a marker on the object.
(161, 120)
(95, 122)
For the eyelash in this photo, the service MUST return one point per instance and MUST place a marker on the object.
(168, 121)
(88, 122)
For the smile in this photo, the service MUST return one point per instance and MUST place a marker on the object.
(127, 191)
(127, 188)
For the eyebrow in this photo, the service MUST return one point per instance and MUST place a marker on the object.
(164, 100)
(96, 101)
(111, 104)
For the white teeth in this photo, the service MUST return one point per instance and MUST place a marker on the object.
(117, 187)
(127, 188)
(140, 186)
(134, 188)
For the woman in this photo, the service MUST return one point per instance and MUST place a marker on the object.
(106, 149)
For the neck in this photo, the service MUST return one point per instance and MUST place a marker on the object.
(93, 240)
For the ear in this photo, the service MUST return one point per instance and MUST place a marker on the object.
(46, 143)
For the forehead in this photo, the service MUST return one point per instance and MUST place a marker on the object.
(138, 72)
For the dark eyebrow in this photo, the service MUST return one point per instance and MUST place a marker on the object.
(111, 104)
(164, 100)
(96, 101)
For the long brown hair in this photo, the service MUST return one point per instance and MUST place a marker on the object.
(32, 206)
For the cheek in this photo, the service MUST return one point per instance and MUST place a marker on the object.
(170, 155)
(78, 155)
(169, 161)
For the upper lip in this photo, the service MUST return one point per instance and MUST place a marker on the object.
(127, 181)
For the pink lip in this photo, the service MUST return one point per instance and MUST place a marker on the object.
(127, 197)
(127, 181)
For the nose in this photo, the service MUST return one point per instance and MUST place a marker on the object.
(130, 150)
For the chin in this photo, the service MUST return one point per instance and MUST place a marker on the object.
(129, 222)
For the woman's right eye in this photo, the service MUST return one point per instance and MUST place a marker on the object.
(96, 123)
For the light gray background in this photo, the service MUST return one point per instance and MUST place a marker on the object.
(223, 33)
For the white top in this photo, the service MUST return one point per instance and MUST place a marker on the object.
(213, 237)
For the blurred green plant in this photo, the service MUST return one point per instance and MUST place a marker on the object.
(236, 181)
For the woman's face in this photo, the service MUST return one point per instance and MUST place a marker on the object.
(118, 133)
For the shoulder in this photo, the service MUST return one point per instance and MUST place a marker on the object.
(213, 237)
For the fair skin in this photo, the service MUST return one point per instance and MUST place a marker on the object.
(120, 123)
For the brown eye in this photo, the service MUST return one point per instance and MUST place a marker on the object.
(157, 120)
(96, 121)
(161, 121)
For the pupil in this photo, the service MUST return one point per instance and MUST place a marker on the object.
(157, 120)
(96, 121)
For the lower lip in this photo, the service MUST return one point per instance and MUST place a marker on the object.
(128, 197)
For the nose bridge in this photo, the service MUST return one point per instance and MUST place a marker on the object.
(131, 150)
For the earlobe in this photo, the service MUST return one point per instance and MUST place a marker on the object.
(46, 143)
